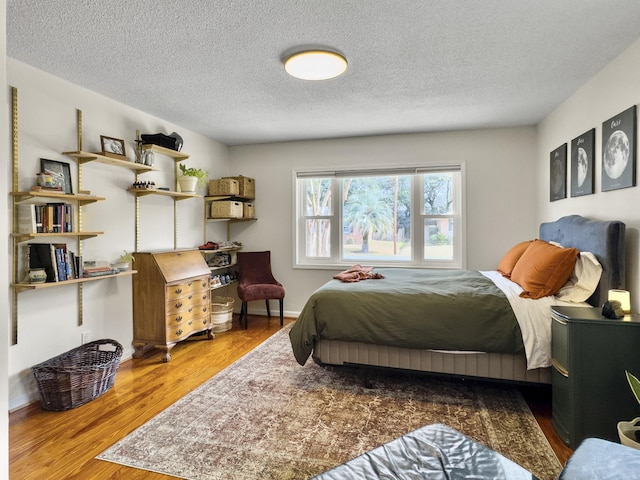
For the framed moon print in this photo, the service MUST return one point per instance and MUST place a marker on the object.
(558, 173)
(619, 151)
(582, 153)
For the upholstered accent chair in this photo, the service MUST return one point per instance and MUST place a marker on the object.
(256, 282)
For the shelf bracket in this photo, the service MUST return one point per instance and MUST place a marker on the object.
(80, 208)
(14, 161)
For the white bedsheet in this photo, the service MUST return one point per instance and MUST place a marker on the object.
(534, 318)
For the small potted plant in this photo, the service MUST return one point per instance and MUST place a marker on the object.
(629, 432)
(191, 178)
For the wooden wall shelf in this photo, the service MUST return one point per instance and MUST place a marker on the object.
(85, 157)
(21, 237)
(37, 286)
(141, 192)
(66, 197)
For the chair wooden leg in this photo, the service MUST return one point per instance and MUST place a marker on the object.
(268, 311)
(244, 313)
(281, 301)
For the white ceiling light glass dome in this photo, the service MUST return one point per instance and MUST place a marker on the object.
(315, 65)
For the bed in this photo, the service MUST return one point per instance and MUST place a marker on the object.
(336, 328)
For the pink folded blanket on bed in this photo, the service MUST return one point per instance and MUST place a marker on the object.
(357, 273)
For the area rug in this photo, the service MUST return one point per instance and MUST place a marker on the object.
(266, 417)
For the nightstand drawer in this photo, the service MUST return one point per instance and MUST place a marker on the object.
(560, 345)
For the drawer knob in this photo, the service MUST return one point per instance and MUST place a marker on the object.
(179, 332)
(179, 318)
(179, 304)
(178, 290)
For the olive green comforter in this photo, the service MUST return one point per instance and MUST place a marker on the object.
(432, 309)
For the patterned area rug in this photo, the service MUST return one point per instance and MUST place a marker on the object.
(266, 417)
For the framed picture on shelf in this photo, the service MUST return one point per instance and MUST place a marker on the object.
(114, 146)
(558, 173)
(582, 154)
(61, 173)
(619, 151)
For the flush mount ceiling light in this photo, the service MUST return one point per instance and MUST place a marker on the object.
(315, 65)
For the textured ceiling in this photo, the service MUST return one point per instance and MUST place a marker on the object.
(215, 66)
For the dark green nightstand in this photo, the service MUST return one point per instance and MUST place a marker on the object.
(590, 354)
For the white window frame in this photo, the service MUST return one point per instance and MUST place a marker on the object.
(418, 216)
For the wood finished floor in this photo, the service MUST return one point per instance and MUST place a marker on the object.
(63, 445)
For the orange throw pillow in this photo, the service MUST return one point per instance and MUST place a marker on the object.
(505, 267)
(543, 269)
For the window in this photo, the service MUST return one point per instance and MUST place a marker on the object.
(396, 217)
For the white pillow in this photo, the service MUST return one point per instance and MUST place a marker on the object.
(583, 281)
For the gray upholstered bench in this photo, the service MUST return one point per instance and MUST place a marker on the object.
(434, 452)
(440, 452)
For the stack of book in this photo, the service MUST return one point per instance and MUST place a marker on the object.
(59, 263)
(97, 271)
(45, 218)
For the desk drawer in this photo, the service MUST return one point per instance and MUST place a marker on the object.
(187, 288)
(186, 304)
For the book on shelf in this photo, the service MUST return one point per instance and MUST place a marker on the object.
(46, 218)
(28, 216)
(65, 269)
(79, 266)
(61, 268)
(97, 271)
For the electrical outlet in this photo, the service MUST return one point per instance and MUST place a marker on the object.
(86, 337)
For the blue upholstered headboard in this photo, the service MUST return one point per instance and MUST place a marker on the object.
(605, 239)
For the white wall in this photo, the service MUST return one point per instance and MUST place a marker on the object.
(4, 265)
(500, 166)
(611, 91)
(47, 319)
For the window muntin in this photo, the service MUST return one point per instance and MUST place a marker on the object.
(403, 217)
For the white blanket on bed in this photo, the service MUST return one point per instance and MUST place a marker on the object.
(534, 318)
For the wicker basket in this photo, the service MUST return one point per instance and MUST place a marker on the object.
(247, 186)
(226, 209)
(248, 211)
(221, 313)
(224, 186)
(78, 376)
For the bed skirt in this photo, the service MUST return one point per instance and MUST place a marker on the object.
(496, 366)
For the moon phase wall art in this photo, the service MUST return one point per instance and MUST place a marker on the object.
(558, 179)
(619, 144)
(619, 151)
(582, 153)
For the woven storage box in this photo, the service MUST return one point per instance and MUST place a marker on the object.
(246, 185)
(224, 186)
(226, 209)
(221, 313)
(247, 210)
(78, 376)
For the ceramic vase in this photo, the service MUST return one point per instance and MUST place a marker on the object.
(37, 275)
